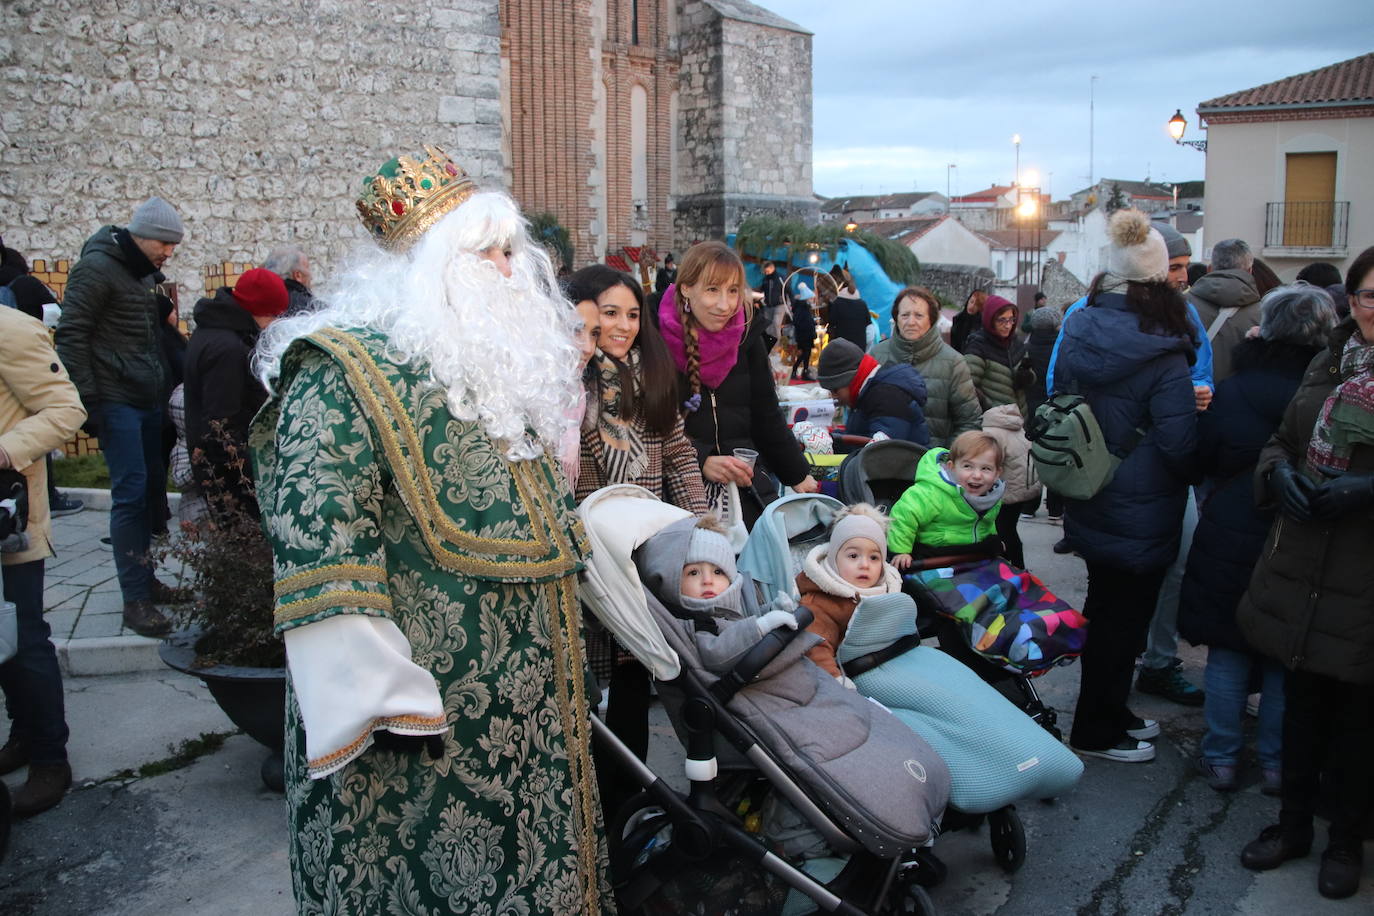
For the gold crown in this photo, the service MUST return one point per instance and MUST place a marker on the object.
(405, 198)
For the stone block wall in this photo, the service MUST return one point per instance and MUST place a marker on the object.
(256, 119)
(1060, 287)
(954, 282)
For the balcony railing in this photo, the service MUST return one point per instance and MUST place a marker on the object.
(1306, 224)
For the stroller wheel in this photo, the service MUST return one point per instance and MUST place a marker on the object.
(916, 902)
(1008, 838)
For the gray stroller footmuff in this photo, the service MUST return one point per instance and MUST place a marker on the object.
(870, 773)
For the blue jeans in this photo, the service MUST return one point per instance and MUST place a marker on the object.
(1162, 645)
(131, 440)
(1227, 683)
(31, 680)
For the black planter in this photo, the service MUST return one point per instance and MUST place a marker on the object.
(254, 699)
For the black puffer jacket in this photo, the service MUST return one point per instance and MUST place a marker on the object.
(849, 318)
(109, 335)
(220, 385)
(1310, 604)
(743, 412)
(1230, 532)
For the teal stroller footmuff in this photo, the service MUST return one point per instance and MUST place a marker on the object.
(995, 752)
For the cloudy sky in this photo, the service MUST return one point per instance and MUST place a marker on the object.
(903, 88)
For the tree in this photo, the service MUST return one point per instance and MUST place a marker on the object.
(549, 232)
(1117, 200)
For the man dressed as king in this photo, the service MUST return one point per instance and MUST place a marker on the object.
(425, 546)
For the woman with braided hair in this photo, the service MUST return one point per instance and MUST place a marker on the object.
(725, 381)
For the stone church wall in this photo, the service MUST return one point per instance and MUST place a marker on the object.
(257, 119)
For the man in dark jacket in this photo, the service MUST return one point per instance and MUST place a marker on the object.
(774, 298)
(291, 264)
(889, 400)
(109, 340)
(1228, 284)
(222, 394)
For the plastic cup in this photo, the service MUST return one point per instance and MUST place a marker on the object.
(747, 455)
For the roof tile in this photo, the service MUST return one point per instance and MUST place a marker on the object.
(1348, 81)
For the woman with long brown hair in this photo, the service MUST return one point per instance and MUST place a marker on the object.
(725, 382)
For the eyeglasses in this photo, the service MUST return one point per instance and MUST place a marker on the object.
(1009, 320)
(1364, 298)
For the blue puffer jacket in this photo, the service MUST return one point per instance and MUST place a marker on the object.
(1133, 380)
(892, 401)
(1230, 532)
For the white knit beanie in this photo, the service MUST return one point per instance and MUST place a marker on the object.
(1138, 252)
(856, 525)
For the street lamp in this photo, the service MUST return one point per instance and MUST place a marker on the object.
(1177, 125)
(1016, 142)
(850, 226)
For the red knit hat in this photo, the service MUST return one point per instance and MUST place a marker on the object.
(262, 293)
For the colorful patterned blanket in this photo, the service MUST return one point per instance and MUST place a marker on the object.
(1009, 616)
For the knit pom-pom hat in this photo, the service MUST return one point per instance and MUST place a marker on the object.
(1137, 252)
(858, 521)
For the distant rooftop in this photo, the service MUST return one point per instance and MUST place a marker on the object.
(1144, 189)
(743, 11)
(874, 201)
(1350, 82)
(905, 231)
(1010, 239)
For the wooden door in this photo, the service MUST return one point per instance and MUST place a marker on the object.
(1309, 210)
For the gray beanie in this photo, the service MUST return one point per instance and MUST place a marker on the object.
(155, 219)
(839, 361)
(1046, 320)
(1137, 252)
(710, 546)
(1174, 241)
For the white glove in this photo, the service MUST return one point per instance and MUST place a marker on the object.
(845, 682)
(773, 619)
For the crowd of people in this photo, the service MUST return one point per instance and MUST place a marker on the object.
(421, 434)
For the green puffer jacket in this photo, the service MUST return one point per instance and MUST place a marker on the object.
(993, 370)
(108, 333)
(951, 402)
(933, 511)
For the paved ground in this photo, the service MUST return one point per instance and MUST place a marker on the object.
(205, 837)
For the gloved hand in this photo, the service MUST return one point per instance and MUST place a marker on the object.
(774, 619)
(1341, 496)
(410, 744)
(845, 682)
(1293, 492)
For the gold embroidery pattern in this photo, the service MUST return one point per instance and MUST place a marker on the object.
(407, 465)
(296, 610)
(337, 572)
(432, 725)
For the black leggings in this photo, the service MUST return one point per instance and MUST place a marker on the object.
(1007, 518)
(627, 716)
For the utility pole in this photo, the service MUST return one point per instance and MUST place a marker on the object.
(1092, 89)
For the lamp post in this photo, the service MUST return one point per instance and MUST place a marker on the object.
(1016, 142)
(949, 168)
(1177, 125)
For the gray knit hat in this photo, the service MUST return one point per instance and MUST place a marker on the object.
(1174, 241)
(155, 219)
(710, 546)
(839, 361)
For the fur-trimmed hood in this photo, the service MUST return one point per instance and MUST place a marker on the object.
(819, 570)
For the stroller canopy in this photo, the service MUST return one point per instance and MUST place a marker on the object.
(618, 519)
(787, 525)
(880, 472)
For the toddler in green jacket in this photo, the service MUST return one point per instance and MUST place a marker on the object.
(953, 500)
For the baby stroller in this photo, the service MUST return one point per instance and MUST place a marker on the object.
(873, 797)
(941, 699)
(879, 474)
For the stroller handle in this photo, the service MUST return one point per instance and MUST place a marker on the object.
(757, 658)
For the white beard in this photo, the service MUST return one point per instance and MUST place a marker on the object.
(501, 348)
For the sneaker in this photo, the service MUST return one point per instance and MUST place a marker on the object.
(1220, 777)
(1062, 546)
(1143, 729)
(1055, 519)
(46, 785)
(1170, 684)
(1275, 845)
(1252, 705)
(1271, 781)
(60, 505)
(1339, 876)
(145, 619)
(162, 593)
(1128, 750)
(1027, 516)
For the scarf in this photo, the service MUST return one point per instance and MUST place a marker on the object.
(918, 351)
(867, 364)
(719, 350)
(1347, 417)
(622, 455)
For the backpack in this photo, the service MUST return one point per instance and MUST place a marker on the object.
(1069, 450)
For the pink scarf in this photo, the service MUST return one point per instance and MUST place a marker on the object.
(719, 349)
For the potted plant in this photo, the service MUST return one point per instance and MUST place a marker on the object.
(224, 633)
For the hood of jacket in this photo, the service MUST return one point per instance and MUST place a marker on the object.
(660, 560)
(903, 376)
(1103, 343)
(1005, 416)
(1226, 289)
(223, 311)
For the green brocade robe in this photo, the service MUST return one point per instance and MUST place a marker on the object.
(378, 502)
